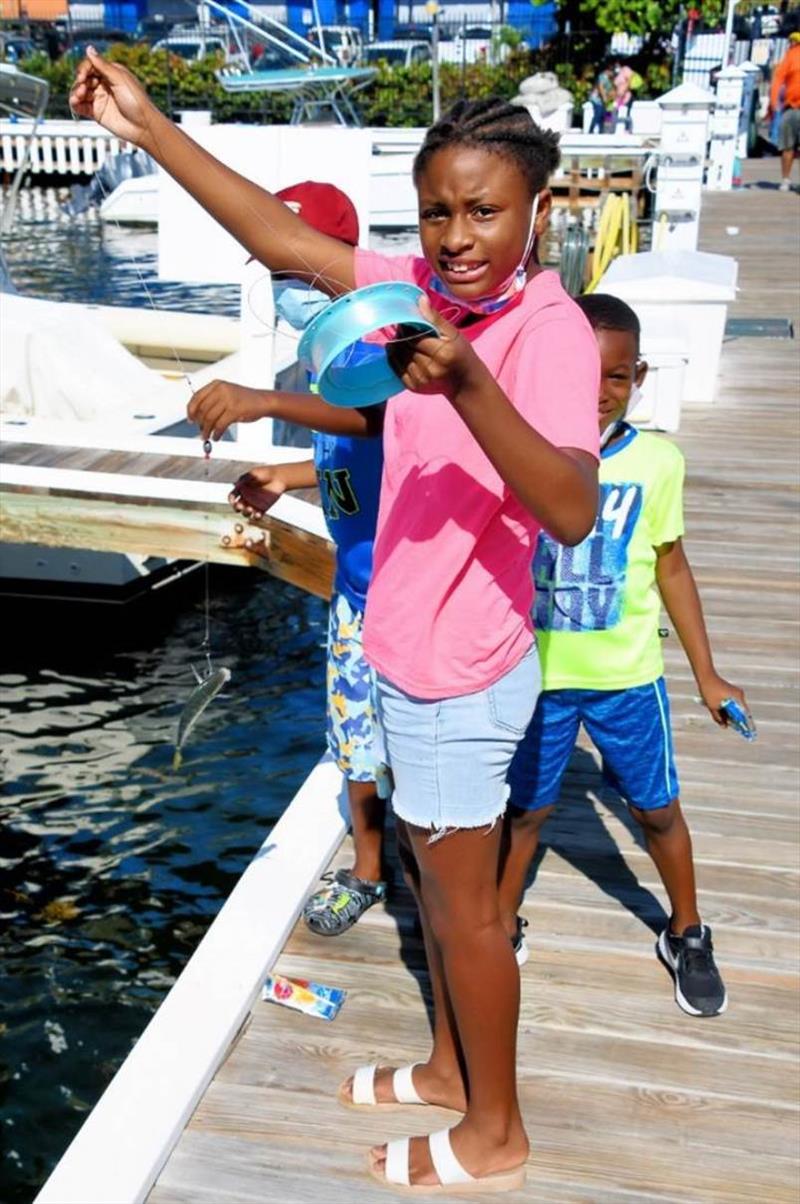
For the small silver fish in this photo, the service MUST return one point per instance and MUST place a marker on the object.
(204, 693)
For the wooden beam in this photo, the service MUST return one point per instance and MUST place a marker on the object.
(155, 527)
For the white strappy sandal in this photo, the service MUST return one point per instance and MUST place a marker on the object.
(364, 1089)
(453, 1179)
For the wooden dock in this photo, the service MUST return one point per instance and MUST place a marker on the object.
(626, 1098)
(159, 502)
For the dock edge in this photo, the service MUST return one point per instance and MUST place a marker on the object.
(120, 1149)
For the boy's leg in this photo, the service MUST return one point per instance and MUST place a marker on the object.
(631, 729)
(367, 817)
(534, 782)
(353, 742)
(670, 845)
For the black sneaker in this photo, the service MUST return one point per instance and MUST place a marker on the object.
(341, 902)
(519, 942)
(699, 989)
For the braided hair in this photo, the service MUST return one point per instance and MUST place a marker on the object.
(499, 127)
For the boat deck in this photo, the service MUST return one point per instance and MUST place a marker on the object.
(626, 1098)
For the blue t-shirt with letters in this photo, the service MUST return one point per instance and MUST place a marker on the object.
(349, 471)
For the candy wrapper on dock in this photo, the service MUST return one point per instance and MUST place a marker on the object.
(310, 997)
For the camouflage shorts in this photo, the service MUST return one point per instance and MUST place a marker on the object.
(353, 734)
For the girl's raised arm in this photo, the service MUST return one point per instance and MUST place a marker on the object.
(109, 94)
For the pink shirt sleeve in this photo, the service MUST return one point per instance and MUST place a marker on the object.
(557, 380)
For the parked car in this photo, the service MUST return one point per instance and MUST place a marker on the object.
(397, 53)
(344, 42)
(193, 47)
(14, 47)
(413, 33)
(102, 40)
(473, 44)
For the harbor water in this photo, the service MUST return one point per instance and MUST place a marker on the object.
(111, 865)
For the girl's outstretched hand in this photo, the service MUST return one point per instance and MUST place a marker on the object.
(110, 95)
(429, 364)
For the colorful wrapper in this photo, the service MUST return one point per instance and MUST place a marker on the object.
(313, 998)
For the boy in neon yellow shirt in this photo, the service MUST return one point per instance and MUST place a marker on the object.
(597, 612)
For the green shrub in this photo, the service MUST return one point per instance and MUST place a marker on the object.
(397, 96)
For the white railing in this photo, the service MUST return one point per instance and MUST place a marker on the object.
(58, 147)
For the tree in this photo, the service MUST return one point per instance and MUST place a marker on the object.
(639, 16)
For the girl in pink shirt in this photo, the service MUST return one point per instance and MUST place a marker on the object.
(494, 437)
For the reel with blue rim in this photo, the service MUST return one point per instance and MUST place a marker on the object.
(350, 372)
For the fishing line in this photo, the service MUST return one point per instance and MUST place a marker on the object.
(205, 646)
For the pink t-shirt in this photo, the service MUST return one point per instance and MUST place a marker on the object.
(448, 607)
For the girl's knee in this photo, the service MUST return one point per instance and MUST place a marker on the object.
(456, 914)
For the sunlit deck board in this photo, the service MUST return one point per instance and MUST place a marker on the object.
(626, 1098)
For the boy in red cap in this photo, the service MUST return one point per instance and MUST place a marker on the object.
(347, 464)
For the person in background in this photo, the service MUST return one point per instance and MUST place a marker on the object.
(786, 84)
(347, 464)
(597, 614)
(601, 99)
(623, 93)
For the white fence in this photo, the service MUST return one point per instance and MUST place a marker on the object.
(704, 53)
(61, 147)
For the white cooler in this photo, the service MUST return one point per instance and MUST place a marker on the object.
(680, 296)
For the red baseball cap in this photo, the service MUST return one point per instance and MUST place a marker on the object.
(324, 207)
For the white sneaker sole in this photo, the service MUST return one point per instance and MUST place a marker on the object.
(665, 955)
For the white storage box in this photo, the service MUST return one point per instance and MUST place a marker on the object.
(680, 296)
(659, 407)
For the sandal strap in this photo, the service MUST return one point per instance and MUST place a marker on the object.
(403, 1085)
(445, 1163)
(398, 1158)
(364, 1085)
(373, 890)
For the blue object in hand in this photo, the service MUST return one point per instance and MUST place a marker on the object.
(326, 346)
(738, 718)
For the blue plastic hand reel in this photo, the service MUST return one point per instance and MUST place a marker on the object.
(326, 346)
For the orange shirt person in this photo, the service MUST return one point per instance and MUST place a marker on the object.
(786, 79)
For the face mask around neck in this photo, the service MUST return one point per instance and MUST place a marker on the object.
(297, 303)
(510, 287)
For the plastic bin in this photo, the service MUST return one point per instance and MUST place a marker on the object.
(659, 408)
(680, 296)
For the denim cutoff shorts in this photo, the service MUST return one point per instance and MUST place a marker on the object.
(449, 757)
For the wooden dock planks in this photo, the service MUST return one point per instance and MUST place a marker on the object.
(56, 515)
(627, 1100)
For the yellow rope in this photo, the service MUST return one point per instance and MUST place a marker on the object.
(617, 233)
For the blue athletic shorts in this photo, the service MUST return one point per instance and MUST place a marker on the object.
(629, 728)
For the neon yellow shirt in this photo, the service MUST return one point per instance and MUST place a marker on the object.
(597, 606)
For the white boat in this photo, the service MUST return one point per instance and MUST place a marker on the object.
(79, 376)
(392, 198)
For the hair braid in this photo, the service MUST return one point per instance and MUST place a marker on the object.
(499, 127)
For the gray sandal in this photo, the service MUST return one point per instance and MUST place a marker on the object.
(341, 902)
